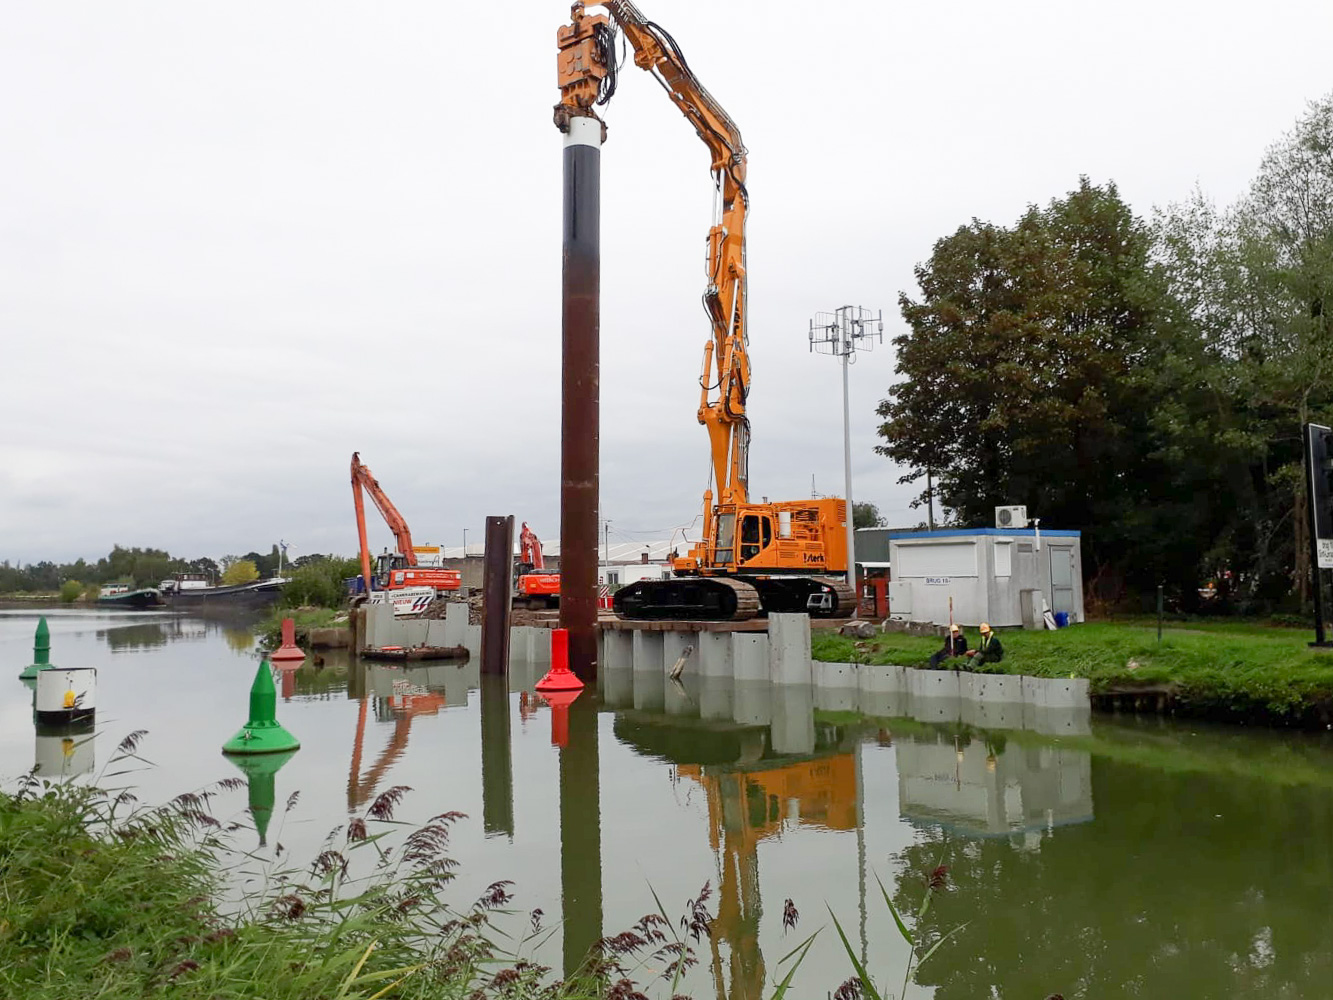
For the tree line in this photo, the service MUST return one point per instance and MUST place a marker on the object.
(1142, 379)
(141, 567)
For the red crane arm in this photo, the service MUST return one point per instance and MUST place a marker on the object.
(530, 549)
(362, 478)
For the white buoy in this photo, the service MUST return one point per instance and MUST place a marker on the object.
(66, 695)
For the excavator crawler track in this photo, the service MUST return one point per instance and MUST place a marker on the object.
(817, 596)
(688, 598)
(702, 598)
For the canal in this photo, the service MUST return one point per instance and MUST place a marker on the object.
(1122, 858)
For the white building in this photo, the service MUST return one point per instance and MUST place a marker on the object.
(1000, 576)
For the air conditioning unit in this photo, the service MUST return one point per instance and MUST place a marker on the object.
(1011, 517)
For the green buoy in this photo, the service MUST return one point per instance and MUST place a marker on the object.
(259, 772)
(41, 652)
(262, 733)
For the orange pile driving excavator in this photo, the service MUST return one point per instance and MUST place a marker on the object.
(533, 587)
(752, 558)
(394, 570)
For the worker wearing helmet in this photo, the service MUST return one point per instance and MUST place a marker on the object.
(988, 649)
(955, 644)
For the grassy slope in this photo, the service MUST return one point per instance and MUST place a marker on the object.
(1234, 670)
(96, 906)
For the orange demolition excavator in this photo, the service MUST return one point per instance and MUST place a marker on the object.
(394, 570)
(533, 587)
(752, 558)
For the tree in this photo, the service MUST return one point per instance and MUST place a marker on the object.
(866, 515)
(240, 571)
(1018, 369)
(1254, 344)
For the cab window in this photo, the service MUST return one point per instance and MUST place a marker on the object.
(726, 534)
(749, 536)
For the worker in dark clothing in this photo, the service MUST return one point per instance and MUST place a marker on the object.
(955, 644)
(988, 650)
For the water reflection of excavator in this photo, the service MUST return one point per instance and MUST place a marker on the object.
(405, 704)
(744, 808)
(752, 557)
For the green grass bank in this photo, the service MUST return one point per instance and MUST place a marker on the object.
(1243, 672)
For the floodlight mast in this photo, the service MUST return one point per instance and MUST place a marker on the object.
(841, 333)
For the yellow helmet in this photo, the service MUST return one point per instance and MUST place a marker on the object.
(985, 627)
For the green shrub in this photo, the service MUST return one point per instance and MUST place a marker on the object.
(70, 591)
(320, 584)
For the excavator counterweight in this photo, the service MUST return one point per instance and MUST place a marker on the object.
(752, 558)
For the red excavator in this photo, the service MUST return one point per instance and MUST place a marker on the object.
(534, 588)
(394, 570)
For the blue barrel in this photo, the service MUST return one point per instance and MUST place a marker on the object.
(1061, 619)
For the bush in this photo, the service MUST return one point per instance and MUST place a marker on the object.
(320, 583)
(70, 591)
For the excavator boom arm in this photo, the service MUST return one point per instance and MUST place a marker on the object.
(363, 479)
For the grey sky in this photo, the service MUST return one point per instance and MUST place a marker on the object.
(239, 241)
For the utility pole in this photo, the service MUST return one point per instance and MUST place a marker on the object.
(841, 333)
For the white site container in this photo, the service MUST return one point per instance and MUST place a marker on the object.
(984, 571)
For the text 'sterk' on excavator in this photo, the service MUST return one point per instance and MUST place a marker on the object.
(753, 558)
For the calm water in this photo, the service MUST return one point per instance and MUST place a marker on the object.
(1116, 860)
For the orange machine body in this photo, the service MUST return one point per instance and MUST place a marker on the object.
(533, 586)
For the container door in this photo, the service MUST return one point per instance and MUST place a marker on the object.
(1062, 579)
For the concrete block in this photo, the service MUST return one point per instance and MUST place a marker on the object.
(472, 640)
(751, 703)
(435, 630)
(715, 654)
(716, 694)
(792, 728)
(1056, 692)
(933, 683)
(413, 632)
(541, 648)
(617, 684)
(881, 678)
(617, 649)
(649, 677)
(997, 688)
(937, 709)
(827, 674)
(835, 686)
(678, 698)
(885, 704)
(749, 651)
(986, 714)
(1071, 721)
(379, 625)
(789, 659)
(837, 699)
(455, 619)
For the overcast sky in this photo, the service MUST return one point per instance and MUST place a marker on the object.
(239, 241)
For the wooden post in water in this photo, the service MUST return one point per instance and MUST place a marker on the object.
(497, 595)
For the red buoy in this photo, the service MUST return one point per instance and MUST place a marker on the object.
(559, 677)
(289, 650)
